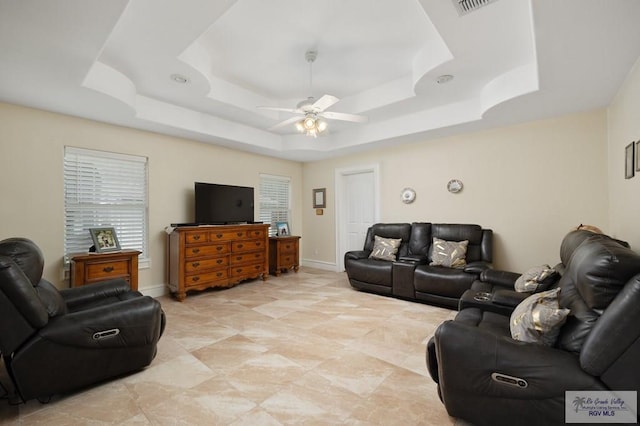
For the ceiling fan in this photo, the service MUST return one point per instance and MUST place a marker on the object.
(314, 111)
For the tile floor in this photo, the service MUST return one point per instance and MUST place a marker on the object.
(302, 348)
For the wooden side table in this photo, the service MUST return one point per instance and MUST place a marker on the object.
(284, 253)
(88, 268)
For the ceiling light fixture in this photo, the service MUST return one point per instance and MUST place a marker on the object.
(311, 125)
(178, 78)
(445, 78)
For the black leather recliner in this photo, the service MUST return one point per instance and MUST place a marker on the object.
(59, 341)
(597, 349)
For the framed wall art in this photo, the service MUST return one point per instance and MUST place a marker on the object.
(638, 156)
(629, 159)
(319, 198)
(104, 239)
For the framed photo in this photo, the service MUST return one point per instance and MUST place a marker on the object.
(282, 229)
(629, 159)
(319, 198)
(104, 239)
(638, 156)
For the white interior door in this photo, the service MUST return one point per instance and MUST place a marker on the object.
(357, 208)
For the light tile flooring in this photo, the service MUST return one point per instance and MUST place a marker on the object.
(302, 348)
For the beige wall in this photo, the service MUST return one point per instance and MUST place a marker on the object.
(624, 128)
(530, 183)
(32, 147)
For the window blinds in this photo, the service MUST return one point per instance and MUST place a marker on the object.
(274, 200)
(103, 189)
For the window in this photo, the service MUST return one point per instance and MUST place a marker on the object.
(274, 200)
(104, 189)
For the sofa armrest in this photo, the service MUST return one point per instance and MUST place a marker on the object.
(510, 298)
(137, 321)
(468, 356)
(502, 278)
(477, 267)
(356, 255)
(88, 293)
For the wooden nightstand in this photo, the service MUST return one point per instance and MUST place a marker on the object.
(88, 268)
(284, 253)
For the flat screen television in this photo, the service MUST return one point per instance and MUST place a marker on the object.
(223, 204)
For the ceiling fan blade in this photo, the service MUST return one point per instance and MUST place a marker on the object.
(292, 110)
(284, 123)
(345, 117)
(324, 102)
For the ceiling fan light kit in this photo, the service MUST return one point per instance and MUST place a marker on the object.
(314, 120)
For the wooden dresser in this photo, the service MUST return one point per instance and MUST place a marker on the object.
(88, 268)
(216, 256)
(284, 253)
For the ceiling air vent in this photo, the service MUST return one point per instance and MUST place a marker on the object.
(465, 6)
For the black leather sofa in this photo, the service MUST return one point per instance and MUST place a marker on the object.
(410, 276)
(597, 348)
(60, 341)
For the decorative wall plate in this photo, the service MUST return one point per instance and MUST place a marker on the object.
(454, 186)
(408, 195)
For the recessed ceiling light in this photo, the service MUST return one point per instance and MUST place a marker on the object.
(178, 78)
(444, 79)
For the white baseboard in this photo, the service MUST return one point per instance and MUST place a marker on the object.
(155, 291)
(327, 266)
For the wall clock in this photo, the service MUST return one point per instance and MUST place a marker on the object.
(408, 195)
(454, 186)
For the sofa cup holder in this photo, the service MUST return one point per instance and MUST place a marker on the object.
(482, 296)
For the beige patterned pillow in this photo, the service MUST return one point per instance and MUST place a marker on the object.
(451, 254)
(538, 318)
(535, 279)
(385, 248)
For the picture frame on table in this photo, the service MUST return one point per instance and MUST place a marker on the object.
(282, 229)
(629, 160)
(104, 239)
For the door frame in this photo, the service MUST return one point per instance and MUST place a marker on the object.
(340, 178)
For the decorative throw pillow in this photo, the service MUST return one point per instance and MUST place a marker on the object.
(538, 318)
(536, 279)
(451, 254)
(385, 248)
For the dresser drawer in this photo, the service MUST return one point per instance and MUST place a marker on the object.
(256, 233)
(288, 248)
(107, 270)
(288, 259)
(226, 235)
(205, 251)
(245, 270)
(250, 245)
(196, 237)
(205, 264)
(204, 278)
(246, 258)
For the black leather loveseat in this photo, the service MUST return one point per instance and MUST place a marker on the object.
(409, 274)
(487, 377)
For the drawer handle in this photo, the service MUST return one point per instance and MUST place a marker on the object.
(218, 235)
(195, 251)
(219, 274)
(108, 269)
(258, 243)
(239, 270)
(287, 246)
(219, 248)
(240, 245)
(219, 261)
(195, 264)
(196, 237)
(257, 255)
(239, 234)
(195, 279)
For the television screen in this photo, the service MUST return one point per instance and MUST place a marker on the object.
(222, 204)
